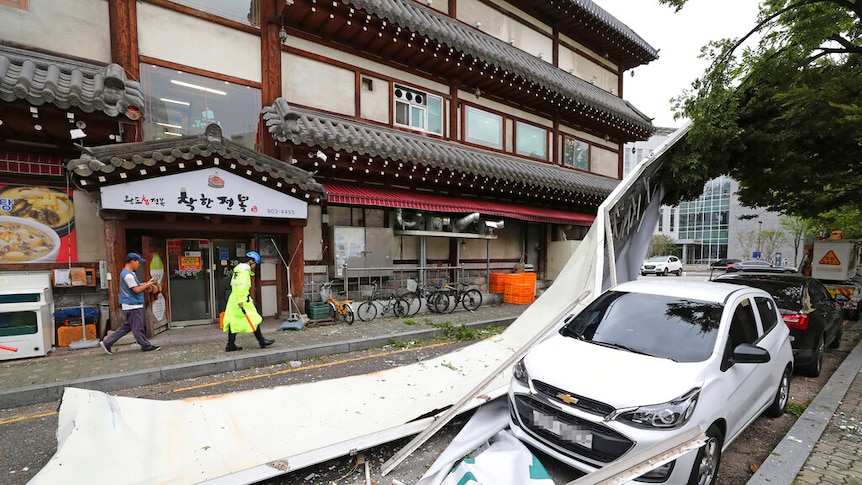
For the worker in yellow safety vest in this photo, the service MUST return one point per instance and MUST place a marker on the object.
(240, 314)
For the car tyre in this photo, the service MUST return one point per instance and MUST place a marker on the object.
(665, 272)
(679, 272)
(782, 396)
(643, 273)
(813, 369)
(705, 469)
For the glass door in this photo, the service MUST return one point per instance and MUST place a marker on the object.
(225, 257)
(190, 286)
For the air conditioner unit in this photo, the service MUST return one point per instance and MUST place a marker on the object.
(433, 223)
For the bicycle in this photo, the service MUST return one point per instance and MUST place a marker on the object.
(469, 298)
(367, 310)
(338, 309)
(416, 293)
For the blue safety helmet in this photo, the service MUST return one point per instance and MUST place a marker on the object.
(253, 255)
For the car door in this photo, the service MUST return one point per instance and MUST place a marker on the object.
(827, 308)
(745, 381)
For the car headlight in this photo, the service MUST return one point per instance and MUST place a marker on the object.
(519, 372)
(667, 415)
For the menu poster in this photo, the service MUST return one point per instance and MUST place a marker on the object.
(37, 225)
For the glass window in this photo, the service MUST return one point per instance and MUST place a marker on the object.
(247, 13)
(683, 330)
(418, 110)
(766, 309)
(576, 154)
(660, 218)
(483, 128)
(178, 104)
(531, 141)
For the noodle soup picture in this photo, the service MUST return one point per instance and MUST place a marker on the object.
(26, 241)
(43, 205)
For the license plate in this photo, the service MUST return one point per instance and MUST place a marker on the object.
(565, 431)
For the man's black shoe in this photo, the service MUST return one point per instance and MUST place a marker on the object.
(232, 348)
(266, 343)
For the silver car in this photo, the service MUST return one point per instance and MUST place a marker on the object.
(649, 359)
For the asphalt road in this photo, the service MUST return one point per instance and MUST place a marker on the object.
(30, 441)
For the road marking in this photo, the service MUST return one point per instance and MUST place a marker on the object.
(25, 418)
(317, 366)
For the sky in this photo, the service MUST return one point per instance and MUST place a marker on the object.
(679, 37)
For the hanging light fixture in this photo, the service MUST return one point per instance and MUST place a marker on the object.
(282, 33)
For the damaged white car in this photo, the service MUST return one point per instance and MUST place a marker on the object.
(650, 359)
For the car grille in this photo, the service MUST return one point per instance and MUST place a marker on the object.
(607, 444)
(649, 266)
(585, 404)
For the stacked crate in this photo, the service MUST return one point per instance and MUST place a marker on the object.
(518, 288)
(317, 311)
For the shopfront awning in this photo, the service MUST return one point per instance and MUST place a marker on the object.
(380, 197)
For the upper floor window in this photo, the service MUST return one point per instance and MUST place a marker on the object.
(576, 154)
(419, 110)
(531, 141)
(483, 128)
(179, 103)
(247, 13)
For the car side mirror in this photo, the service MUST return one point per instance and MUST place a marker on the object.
(749, 354)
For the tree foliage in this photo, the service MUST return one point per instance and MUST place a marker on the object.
(782, 117)
(660, 245)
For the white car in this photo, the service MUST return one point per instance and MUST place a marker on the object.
(649, 359)
(662, 265)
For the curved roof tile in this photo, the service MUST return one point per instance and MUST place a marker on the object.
(41, 78)
(319, 130)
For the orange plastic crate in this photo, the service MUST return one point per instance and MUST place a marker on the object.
(68, 334)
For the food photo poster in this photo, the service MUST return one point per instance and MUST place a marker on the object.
(37, 225)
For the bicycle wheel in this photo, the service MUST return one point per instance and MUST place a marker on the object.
(439, 301)
(401, 307)
(414, 303)
(348, 314)
(471, 299)
(367, 311)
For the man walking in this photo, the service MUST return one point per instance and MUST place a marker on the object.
(132, 301)
(240, 314)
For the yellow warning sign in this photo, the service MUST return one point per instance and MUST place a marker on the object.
(830, 258)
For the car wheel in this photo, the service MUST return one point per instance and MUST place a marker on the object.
(813, 369)
(782, 396)
(643, 273)
(705, 469)
(679, 272)
(665, 272)
(855, 315)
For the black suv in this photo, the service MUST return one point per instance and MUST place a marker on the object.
(813, 316)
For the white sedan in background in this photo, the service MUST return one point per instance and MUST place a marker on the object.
(648, 360)
(662, 265)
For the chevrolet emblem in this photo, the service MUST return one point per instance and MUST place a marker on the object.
(567, 398)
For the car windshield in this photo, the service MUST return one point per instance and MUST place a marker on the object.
(658, 259)
(680, 329)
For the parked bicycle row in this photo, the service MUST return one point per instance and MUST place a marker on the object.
(401, 302)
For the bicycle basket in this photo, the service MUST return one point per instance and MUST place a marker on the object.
(366, 291)
(324, 293)
(412, 285)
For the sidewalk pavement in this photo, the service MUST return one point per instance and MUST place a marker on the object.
(823, 447)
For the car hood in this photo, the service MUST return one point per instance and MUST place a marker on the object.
(616, 377)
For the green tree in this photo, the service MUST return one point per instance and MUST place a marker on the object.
(769, 242)
(795, 228)
(781, 117)
(660, 245)
(747, 241)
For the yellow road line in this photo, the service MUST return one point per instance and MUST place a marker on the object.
(25, 418)
(311, 367)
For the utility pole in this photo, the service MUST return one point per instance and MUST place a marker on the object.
(759, 228)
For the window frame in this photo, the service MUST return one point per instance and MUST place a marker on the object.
(478, 141)
(518, 125)
(574, 160)
(412, 106)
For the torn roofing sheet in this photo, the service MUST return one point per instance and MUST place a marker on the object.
(249, 436)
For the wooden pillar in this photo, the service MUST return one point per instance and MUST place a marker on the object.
(270, 64)
(123, 21)
(115, 241)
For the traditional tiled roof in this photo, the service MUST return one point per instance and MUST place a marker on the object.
(452, 33)
(319, 130)
(130, 157)
(42, 78)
